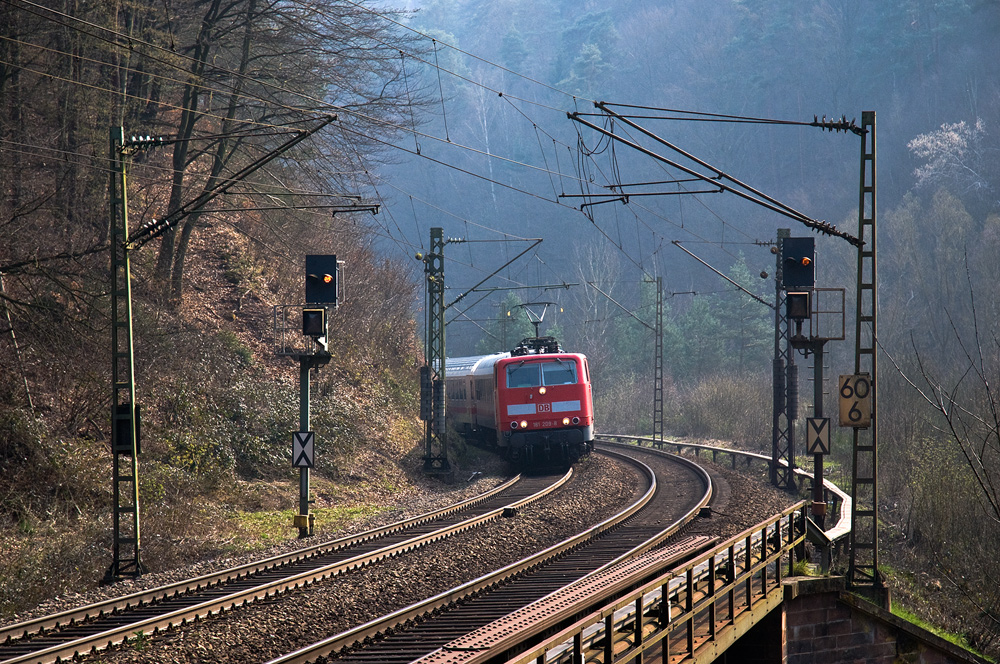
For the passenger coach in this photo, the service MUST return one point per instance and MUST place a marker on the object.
(534, 403)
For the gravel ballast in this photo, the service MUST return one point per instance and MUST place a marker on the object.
(280, 625)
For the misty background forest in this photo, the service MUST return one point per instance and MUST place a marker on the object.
(473, 116)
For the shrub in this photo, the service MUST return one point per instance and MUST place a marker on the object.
(728, 407)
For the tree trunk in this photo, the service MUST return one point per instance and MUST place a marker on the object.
(222, 154)
(189, 117)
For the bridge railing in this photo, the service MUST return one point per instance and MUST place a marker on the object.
(692, 612)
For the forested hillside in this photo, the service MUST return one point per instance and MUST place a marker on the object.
(740, 82)
(223, 84)
(472, 115)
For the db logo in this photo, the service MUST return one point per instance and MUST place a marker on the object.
(544, 408)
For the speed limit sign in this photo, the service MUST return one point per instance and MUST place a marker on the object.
(856, 401)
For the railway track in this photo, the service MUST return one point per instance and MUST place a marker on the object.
(81, 631)
(415, 631)
(602, 615)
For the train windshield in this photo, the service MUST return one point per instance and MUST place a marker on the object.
(556, 372)
(559, 373)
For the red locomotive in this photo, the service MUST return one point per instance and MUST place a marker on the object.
(533, 403)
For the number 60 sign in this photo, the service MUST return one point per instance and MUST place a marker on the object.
(856, 401)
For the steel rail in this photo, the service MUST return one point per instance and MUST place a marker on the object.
(535, 622)
(418, 610)
(701, 573)
(233, 600)
(835, 533)
(678, 596)
(553, 613)
(126, 602)
(746, 567)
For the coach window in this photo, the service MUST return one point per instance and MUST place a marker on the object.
(559, 373)
(523, 375)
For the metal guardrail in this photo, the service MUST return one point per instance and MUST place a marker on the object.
(709, 603)
(838, 500)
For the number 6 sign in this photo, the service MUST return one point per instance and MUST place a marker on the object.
(856, 401)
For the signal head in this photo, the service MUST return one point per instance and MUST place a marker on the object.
(321, 279)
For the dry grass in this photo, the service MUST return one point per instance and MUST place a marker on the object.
(218, 412)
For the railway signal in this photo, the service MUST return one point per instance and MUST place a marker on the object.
(798, 258)
(798, 306)
(314, 322)
(321, 279)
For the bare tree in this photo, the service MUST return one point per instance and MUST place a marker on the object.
(959, 499)
(253, 69)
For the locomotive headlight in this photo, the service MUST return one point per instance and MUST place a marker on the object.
(541, 390)
(565, 421)
(524, 424)
(513, 425)
(576, 420)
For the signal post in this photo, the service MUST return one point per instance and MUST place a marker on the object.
(815, 314)
(308, 344)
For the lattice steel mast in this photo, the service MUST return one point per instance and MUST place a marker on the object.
(126, 547)
(785, 385)
(863, 569)
(436, 445)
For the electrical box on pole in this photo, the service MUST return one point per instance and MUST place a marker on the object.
(426, 391)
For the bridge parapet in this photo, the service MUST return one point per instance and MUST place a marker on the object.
(826, 625)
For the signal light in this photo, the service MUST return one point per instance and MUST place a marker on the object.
(321, 279)
(314, 322)
(797, 257)
(798, 305)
